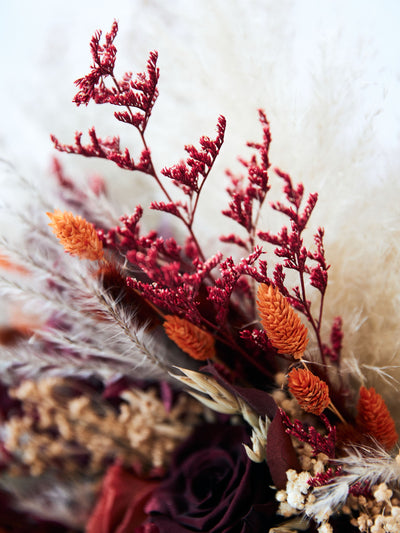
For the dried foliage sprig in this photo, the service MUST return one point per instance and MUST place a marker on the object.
(141, 94)
(219, 399)
(364, 466)
(319, 443)
(248, 195)
(290, 247)
(69, 418)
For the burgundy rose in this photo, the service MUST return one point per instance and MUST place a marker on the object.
(213, 486)
(120, 508)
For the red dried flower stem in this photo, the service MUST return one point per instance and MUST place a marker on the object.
(316, 327)
(190, 223)
(141, 132)
(154, 174)
(337, 413)
(198, 195)
(307, 311)
(248, 357)
(228, 339)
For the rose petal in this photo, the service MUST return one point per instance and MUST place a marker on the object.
(120, 508)
(280, 452)
(212, 485)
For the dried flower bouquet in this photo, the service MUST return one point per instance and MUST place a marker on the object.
(151, 388)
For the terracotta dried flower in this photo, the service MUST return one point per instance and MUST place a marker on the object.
(283, 326)
(310, 391)
(77, 235)
(373, 417)
(196, 342)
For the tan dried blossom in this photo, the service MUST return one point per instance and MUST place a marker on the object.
(77, 235)
(373, 418)
(382, 493)
(194, 341)
(282, 325)
(309, 390)
(60, 421)
(216, 397)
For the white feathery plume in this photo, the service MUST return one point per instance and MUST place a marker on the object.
(53, 501)
(362, 465)
(92, 330)
(115, 340)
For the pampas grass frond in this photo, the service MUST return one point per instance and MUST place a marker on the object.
(362, 465)
(52, 501)
(89, 321)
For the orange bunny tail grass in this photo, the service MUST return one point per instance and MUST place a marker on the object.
(7, 264)
(311, 392)
(77, 235)
(196, 342)
(283, 326)
(373, 417)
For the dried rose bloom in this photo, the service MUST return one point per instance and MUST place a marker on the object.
(77, 235)
(373, 417)
(196, 342)
(311, 392)
(283, 326)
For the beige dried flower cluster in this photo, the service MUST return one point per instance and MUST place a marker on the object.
(378, 515)
(58, 424)
(298, 493)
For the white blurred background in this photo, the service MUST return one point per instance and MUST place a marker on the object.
(216, 56)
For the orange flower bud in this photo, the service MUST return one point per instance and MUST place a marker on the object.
(196, 342)
(311, 392)
(283, 326)
(373, 417)
(77, 235)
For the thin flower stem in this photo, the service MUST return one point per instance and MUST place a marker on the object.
(308, 312)
(336, 412)
(153, 173)
(228, 339)
(199, 191)
(252, 241)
